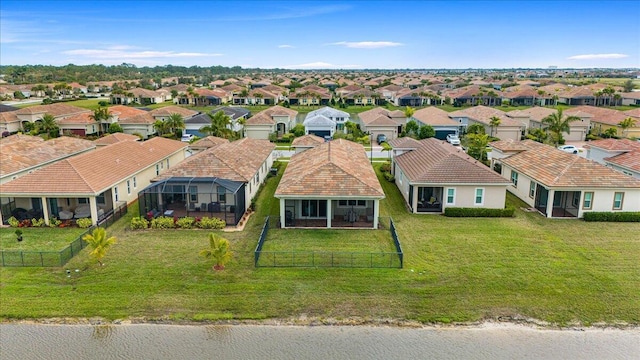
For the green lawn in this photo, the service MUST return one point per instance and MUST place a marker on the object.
(329, 240)
(456, 269)
(42, 239)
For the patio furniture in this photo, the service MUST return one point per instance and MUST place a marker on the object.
(168, 212)
(65, 215)
(214, 207)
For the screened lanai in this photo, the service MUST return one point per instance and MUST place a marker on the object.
(195, 197)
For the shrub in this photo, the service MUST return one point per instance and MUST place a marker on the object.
(185, 222)
(138, 223)
(385, 168)
(389, 177)
(625, 216)
(13, 222)
(25, 223)
(84, 223)
(37, 222)
(211, 223)
(163, 222)
(288, 137)
(54, 222)
(478, 212)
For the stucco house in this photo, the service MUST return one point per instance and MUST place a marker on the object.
(622, 155)
(338, 116)
(90, 185)
(276, 119)
(382, 121)
(532, 119)
(330, 185)
(436, 175)
(507, 129)
(438, 119)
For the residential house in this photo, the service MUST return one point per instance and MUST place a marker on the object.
(59, 111)
(474, 95)
(382, 121)
(23, 154)
(341, 92)
(203, 97)
(439, 120)
(276, 119)
(605, 118)
(532, 119)
(630, 98)
(79, 125)
(577, 95)
(218, 182)
(330, 185)
(138, 96)
(306, 142)
(257, 96)
(133, 121)
(237, 114)
(563, 185)
(92, 184)
(362, 97)
(436, 175)
(164, 113)
(325, 121)
(622, 155)
(507, 129)
(311, 95)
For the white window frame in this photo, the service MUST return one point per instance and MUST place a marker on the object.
(453, 196)
(514, 178)
(532, 189)
(584, 200)
(135, 183)
(157, 169)
(621, 200)
(475, 197)
(117, 196)
(128, 187)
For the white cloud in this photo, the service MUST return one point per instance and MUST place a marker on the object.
(367, 44)
(597, 56)
(123, 52)
(285, 46)
(321, 65)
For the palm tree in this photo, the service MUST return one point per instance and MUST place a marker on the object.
(494, 123)
(557, 124)
(48, 123)
(220, 125)
(101, 115)
(160, 126)
(175, 122)
(626, 124)
(408, 112)
(218, 250)
(99, 242)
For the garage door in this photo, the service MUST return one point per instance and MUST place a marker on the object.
(321, 133)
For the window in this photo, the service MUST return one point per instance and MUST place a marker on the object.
(167, 163)
(193, 194)
(314, 208)
(617, 200)
(514, 178)
(257, 178)
(157, 169)
(532, 189)
(479, 196)
(115, 191)
(345, 203)
(451, 196)
(100, 199)
(135, 183)
(83, 201)
(222, 194)
(128, 187)
(587, 203)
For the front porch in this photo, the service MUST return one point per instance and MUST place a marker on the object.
(329, 213)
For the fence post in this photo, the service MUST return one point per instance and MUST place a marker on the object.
(41, 260)
(22, 257)
(2, 257)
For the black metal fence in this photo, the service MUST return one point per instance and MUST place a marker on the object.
(327, 258)
(20, 258)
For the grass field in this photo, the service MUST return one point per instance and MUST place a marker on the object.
(329, 240)
(38, 239)
(456, 269)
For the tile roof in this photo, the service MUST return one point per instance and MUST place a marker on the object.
(144, 118)
(433, 116)
(404, 143)
(124, 112)
(115, 138)
(509, 145)
(437, 162)
(260, 119)
(239, 160)
(633, 112)
(614, 144)
(556, 168)
(173, 109)
(536, 113)
(208, 142)
(377, 116)
(307, 141)
(84, 118)
(8, 117)
(20, 152)
(265, 117)
(600, 114)
(94, 171)
(57, 110)
(337, 168)
(629, 160)
(484, 114)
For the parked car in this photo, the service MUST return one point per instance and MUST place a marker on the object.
(568, 148)
(381, 138)
(186, 137)
(453, 139)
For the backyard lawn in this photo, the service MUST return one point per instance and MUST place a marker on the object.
(455, 270)
(39, 238)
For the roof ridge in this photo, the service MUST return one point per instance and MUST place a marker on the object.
(566, 168)
(79, 173)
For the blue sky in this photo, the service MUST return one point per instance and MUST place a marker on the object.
(328, 35)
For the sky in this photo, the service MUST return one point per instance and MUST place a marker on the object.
(323, 35)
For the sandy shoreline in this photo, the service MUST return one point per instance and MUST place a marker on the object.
(499, 323)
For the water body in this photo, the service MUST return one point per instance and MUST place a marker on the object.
(495, 341)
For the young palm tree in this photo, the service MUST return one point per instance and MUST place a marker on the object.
(494, 123)
(99, 243)
(626, 124)
(218, 251)
(175, 122)
(557, 124)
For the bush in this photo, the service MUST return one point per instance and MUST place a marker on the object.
(287, 137)
(185, 222)
(84, 223)
(385, 168)
(138, 223)
(211, 223)
(625, 216)
(54, 222)
(13, 222)
(478, 212)
(389, 177)
(37, 222)
(163, 222)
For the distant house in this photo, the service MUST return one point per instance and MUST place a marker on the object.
(139, 96)
(310, 95)
(276, 119)
(507, 129)
(382, 121)
(340, 117)
(563, 185)
(436, 175)
(164, 113)
(362, 97)
(532, 119)
(330, 185)
(134, 121)
(630, 98)
(622, 155)
(604, 118)
(95, 183)
(217, 182)
(237, 114)
(474, 95)
(439, 120)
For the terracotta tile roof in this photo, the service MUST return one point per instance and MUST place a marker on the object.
(434, 116)
(124, 112)
(556, 168)
(484, 114)
(510, 145)
(536, 113)
(337, 168)
(208, 142)
(115, 138)
(94, 171)
(141, 92)
(265, 117)
(173, 109)
(631, 95)
(57, 110)
(404, 143)
(629, 160)
(8, 117)
(144, 118)
(614, 144)
(20, 152)
(599, 114)
(633, 112)
(437, 162)
(377, 116)
(260, 119)
(238, 161)
(307, 141)
(84, 118)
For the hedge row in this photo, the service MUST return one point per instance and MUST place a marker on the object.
(478, 212)
(625, 216)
